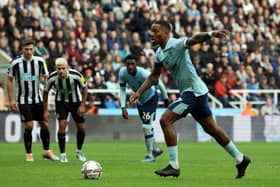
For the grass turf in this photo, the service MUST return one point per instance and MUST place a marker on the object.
(202, 165)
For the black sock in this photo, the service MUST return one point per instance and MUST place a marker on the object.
(28, 140)
(61, 142)
(80, 139)
(45, 137)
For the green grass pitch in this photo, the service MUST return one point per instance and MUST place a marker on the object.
(202, 165)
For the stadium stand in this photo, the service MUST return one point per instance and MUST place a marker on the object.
(96, 35)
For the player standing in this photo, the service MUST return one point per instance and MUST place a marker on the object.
(173, 54)
(28, 71)
(71, 94)
(134, 76)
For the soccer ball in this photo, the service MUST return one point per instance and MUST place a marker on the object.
(91, 170)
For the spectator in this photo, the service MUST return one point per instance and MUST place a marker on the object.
(126, 50)
(4, 45)
(252, 84)
(15, 50)
(221, 90)
(53, 54)
(242, 74)
(45, 21)
(110, 102)
(208, 76)
(79, 28)
(35, 9)
(254, 25)
(99, 84)
(93, 42)
(41, 50)
(7, 9)
(269, 108)
(72, 51)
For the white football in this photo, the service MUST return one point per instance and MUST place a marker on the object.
(91, 170)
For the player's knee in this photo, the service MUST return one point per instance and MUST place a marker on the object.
(62, 123)
(81, 127)
(164, 121)
(28, 125)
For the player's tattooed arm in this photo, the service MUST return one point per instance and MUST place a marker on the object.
(203, 36)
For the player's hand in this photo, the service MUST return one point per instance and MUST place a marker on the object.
(81, 110)
(13, 105)
(166, 102)
(124, 113)
(220, 33)
(133, 98)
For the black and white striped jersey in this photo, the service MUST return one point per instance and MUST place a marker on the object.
(27, 74)
(67, 89)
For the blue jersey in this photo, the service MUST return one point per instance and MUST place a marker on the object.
(135, 81)
(176, 58)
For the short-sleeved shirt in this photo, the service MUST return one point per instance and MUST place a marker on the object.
(67, 89)
(135, 81)
(27, 75)
(176, 58)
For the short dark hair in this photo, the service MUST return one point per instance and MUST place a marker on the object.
(130, 57)
(27, 42)
(165, 24)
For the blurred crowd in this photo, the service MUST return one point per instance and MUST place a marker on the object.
(96, 35)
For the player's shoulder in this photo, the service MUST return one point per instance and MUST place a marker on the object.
(38, 58)
(74, 72)
(141, 69)
(123, 71)
(53, 75)
(175, 41)
(16, 60)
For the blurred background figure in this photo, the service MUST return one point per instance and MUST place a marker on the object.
(249, 110)
(269, 108)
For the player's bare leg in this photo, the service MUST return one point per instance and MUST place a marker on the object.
(80, 141)
(167, 120)
(61, 140)
(28, 141)
(212, 128)
(45, 137)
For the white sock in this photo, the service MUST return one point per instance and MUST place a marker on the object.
(175, 165)
(239, 159)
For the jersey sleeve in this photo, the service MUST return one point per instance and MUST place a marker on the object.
(83, 81)
(10, 71)
(163, 90)
(144, 73)
(48, 85)
(157, 58)
(122, 89)
(184, 42)
(44, 70)
(122, 81)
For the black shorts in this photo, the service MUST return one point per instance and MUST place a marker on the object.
(62, 110)
(30, 112)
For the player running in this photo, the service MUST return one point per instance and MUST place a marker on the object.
(173, 54)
